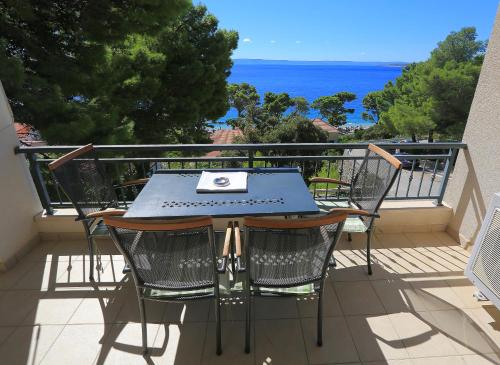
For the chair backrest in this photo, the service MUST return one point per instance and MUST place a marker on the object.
(374, 179)
(285, 253)
(82, 178)
(167, 254)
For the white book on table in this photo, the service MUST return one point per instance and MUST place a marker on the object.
(237, 182)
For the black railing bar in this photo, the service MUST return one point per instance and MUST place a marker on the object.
(163, 159)
(421, 178)
(245, 159)
(238, 147)
(433, 177)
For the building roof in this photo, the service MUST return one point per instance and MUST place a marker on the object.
(324, 126)
(223, 136)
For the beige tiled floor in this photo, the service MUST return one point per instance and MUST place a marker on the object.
(417, 308)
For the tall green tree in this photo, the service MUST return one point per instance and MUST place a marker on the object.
(51, 56)
(439, 90)
(300, 106)
(461, 46)
(277, 104)
(333, 107)
(179, 79)
(242, 96)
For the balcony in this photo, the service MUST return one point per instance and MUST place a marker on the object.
(417, 307)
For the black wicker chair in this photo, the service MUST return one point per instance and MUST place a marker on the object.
(172, 260)
(367, 190)
(287, 254)
(82, 178)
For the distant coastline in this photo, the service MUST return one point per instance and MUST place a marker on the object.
(312, 79)
(258, 61)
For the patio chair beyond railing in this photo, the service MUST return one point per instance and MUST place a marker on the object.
(367, 190)
(172, 260)
(288, 256)
(82, 178)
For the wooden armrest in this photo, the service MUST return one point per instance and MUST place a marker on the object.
(110, 212)
(328, 181)
(222, 262)
(135, 182)
(350, 211)
(237, 239)
(227, 240)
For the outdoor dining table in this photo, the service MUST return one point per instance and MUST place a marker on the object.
(270, 191)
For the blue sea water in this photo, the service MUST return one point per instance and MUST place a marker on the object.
(314, 79)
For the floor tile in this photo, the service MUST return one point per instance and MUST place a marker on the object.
(129, 311)
(467, 337)
(482, 359)
(338, 345)
(436, 294)
(397, 296)
(16, 305)
(488, 319)
(190, 311)
(100, 306)
(275, 307)
(273, 347)
(350, 267)
(179, 344)
(233, 343)
(308, 305)
(123, 344)
(5, 332)
(52, 310)
(393, 240)
(445, 360)
(390, 362)
(375, 338)
(232, 309)
(29, 344)
(420, 337)
(76, 344)
(423, 239)
(358, 297)
(10, 278)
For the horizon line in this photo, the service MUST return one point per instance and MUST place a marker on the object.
(284, 60)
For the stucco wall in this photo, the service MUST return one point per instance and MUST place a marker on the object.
(18, 198)
(477, 171)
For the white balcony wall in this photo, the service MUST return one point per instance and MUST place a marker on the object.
(18, 198)
(477, 171)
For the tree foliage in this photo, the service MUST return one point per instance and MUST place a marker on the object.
(113, 71)
(333, 107)
(241, 96)
(431, 96)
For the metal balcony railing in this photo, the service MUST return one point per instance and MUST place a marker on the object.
(427, 166)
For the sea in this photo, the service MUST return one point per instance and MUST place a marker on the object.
(312, 79)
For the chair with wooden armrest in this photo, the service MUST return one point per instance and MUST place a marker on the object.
(82, 178)
(173, 260)
(367, 190)
(287, 257)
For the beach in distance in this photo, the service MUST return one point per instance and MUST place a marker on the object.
(312, 79)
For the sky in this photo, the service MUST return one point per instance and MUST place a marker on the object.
(348, 30)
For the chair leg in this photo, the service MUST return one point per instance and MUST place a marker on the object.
(142, 313)
(320, 318)
(247, 318)
(91, 257)
(349, 237)
(218, 350)
(368, 244)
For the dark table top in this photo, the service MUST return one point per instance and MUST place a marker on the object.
(271, 191)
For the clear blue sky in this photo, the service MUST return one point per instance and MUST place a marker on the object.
(348, 30)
